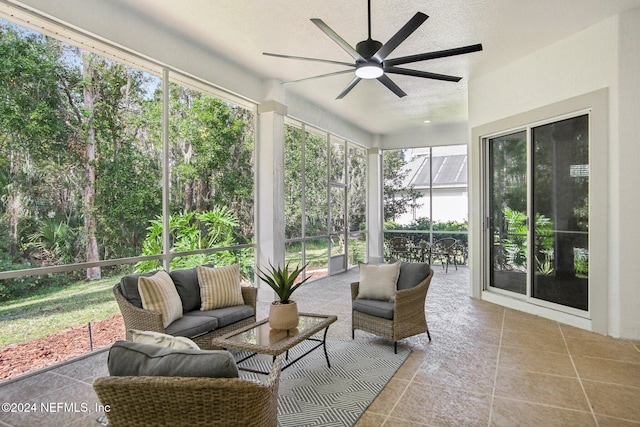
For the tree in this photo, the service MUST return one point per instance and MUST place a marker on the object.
(32, 121)
(398, 196)
(212, 147)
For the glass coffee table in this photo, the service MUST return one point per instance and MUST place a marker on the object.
(259, 338)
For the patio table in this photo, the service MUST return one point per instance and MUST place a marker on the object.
(260, 338)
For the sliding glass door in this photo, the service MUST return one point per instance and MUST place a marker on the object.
(508, 212)
(537, 204)
(560, 195)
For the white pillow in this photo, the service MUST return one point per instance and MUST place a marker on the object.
(378, 282)
(163, 340)
(159, 294)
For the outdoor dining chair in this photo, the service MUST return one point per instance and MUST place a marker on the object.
(445, 250)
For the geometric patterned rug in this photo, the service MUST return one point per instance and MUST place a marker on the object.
(311, 394)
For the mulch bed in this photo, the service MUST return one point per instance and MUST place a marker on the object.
(20, 358)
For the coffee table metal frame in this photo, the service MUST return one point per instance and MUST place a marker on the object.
(290, 339)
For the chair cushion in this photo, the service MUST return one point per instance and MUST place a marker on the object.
(411, 274)
(191, 326)
(375, 308)
(127, 358)
(226, 315)
(129, 287)
(378, 282)
(219, 287)
(158, 293)
(186, 282)
(162, 340)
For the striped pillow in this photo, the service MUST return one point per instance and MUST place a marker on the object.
(158, 293)
(219, 287)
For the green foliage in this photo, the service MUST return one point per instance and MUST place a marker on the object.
(192, 231)
(66, 114)
(282, 280)
(398, 197)
(515, 242)
(212, 152)
(53, 243)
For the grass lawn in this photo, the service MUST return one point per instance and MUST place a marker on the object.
(52, 310)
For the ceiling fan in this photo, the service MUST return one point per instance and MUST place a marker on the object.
(371, 57)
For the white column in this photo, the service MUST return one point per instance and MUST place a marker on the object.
(270, 182)
(374, 207)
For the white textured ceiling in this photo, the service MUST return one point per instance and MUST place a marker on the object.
(508, 29)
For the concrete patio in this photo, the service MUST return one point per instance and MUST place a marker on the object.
(486, 365)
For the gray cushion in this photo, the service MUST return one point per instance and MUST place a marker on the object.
(411, 274)
(191, 326)
(128, 358)
(376, 308)
(129, 287)
(186, 282)
(226, 315)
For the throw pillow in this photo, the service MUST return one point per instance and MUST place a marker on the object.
(129, 287)
(186, 282)
(163, 340)
(219, 286)
(127, 358)
(412, 273)
(158, 293)
(378, 282)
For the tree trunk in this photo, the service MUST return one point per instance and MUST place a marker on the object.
(89, 96)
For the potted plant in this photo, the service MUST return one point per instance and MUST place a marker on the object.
(283, 313)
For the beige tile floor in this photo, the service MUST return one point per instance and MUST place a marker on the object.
(485, 366)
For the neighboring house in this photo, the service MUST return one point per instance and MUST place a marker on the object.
(442, 177)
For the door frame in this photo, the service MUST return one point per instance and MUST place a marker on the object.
(602, 284)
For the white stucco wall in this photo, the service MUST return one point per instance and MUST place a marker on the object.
(625, 167)
(604, 56)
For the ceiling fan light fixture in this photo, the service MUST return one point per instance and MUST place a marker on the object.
(369, 70)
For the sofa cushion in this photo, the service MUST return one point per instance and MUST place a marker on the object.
(129, 287)
(219, 286)
(411, 274)
(128, 358)
(162, 340)
(226, 315)
(158, 293)
(186, 282)
(375, 308)
(191, 326)
(378, 282)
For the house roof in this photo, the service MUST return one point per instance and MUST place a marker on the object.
(449, 171)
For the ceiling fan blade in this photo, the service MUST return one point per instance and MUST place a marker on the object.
(350, 86)
(402, 34)
(433, 55)
(385, 80)
(336, 38)
(304, 58)
(425, 74)
(320, 76)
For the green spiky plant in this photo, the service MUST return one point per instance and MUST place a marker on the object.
(282, 281)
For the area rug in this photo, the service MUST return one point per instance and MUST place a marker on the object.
(311, 394)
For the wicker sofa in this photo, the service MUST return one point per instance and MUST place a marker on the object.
(199, 326)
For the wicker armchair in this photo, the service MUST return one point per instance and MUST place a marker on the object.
(145, 320)
(408, 315)
(181, 401)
